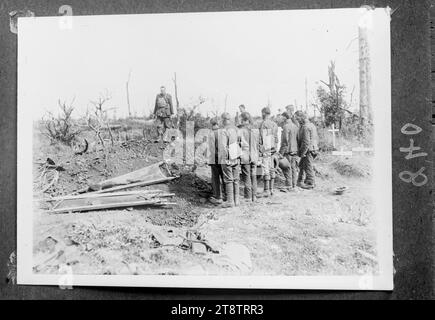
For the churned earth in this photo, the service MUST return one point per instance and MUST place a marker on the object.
(307, 232)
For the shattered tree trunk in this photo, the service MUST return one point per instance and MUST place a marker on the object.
(365, 107)
(177, 102)
(128, 94)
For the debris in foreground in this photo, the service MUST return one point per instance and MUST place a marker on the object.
(109, 196)
(99, 201)
(340, 190)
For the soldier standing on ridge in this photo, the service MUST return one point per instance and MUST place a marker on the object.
(163, 112)
(238, 120)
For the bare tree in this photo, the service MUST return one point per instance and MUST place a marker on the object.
(61, 127)
(334, 83)
(99, 120)
(336, 92)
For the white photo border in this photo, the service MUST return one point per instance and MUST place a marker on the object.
(382, 196)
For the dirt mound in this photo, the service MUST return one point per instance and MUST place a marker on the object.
(352, 167)
(183, 214)
(194, 181)
(96, 164)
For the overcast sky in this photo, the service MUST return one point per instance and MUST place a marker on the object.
(248, 57)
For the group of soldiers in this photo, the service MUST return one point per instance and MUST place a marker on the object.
(239, 151)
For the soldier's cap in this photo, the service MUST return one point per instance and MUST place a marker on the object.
(301, 115)
(286, 115)
(214, 121)
(265, 110)
(245, 116)
(291, 108)
(226, 116)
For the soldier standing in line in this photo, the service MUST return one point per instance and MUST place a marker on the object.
(163, 111)
(230, 154)
(289, 149)
(238, 120)
(249, 142)
(290, 109)
(214, 163)
(268, 144)
(307, 149)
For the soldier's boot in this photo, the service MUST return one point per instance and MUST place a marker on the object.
(215, 201)
(307, 186)
(229, 188)
(300, 183)
(162, 137)
(159, 137)
(236, 194)
(224, 193)
(254, 187)
(266, 189)
(247, 192)
(272, 186)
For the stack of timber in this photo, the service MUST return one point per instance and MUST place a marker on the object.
(110, 200)
(111, 193)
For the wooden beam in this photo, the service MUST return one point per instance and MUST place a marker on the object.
(112, 206)
(99, 195)
(136, 184)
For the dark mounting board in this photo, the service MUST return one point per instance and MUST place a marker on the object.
(411, 102)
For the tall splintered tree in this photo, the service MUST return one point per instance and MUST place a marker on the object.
(365, 107)
(332, 103)
(177, 102)
(127, 84)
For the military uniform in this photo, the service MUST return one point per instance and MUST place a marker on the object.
(249, 142)
(308, 147)
(289, 149)
(230, 154)
(214, 161)
(163, 110)
(268, 144)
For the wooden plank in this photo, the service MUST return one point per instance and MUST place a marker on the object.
(137, 184)
(108, 199)
(111, 206)
(96, 201)
(147, 173)
(98, 195)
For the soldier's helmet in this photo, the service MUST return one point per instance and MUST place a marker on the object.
(284, 164)
(286, 115)
(226, 116)
(246, 117)
(214, 121)
(265, 110)
(300, 115)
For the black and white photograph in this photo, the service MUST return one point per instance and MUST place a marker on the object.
(247, 149)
